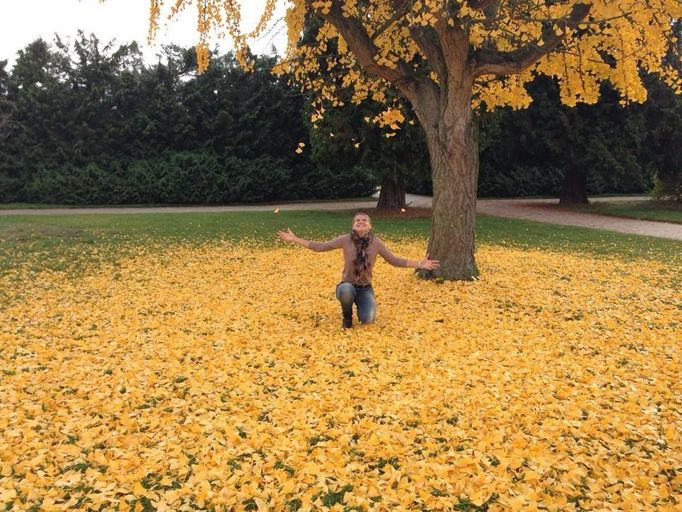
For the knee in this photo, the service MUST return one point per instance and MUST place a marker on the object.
(367, 316)
(345, 292)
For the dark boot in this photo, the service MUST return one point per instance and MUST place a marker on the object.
(347, 321)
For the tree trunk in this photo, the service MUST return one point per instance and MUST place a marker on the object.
(443, 107)
(392, 194)
(574, 187)
(453, 149)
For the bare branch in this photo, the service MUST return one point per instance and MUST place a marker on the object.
(493, 62)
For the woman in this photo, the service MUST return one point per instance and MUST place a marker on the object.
(360, 250)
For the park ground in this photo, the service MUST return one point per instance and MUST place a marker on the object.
(191, 361)
(637, 215)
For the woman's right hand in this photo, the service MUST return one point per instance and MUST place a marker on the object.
(287, 236)
(428, 264)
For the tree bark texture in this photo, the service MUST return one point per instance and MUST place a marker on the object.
(453, 148)
(392, 194)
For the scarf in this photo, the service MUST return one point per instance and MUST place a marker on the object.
(361, 268)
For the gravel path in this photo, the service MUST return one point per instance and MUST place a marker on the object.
(541, 210)
(546, 210)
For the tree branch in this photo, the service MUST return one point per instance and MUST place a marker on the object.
(481, 5)
(419, 90)
(493, 62)
(401, 9)
(427, 40)
(364, 50)
(453, 42)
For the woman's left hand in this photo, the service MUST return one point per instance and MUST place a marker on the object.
(429, 264)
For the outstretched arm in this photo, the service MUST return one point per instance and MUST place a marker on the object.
(288, 236)
(425, 263)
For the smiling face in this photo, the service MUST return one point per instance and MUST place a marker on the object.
(362, 224)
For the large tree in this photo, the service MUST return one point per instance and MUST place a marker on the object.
(447, 57)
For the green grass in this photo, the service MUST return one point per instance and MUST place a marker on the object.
(665, 211)
(67, 242)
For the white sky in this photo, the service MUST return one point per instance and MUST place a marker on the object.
(23, 21)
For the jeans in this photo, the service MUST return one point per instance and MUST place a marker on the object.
(363, 299)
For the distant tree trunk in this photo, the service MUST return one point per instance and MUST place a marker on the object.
(574, 188)
(392, 194)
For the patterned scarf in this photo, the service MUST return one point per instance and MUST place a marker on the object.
(361, 267)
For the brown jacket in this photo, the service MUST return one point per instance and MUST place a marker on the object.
(349, 252)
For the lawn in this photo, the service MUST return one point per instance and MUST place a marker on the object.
(61, 242)
(664, 211)
(194, 362)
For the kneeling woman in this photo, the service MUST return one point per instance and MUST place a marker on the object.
(360, 250)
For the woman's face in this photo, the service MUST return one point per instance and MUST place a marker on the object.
(362, 224)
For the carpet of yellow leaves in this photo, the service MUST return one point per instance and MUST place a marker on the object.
(218, 376)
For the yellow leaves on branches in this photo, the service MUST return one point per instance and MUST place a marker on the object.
(614, 41)
(392, 118)
(201, 377)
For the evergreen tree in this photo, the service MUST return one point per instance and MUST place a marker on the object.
(6, 107)
(550, 148)
(346, 143)
(662, 152)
